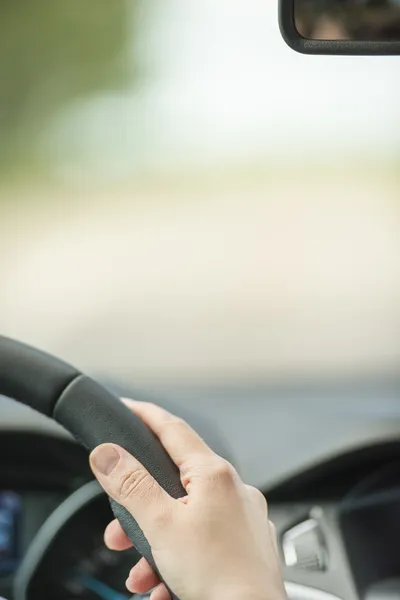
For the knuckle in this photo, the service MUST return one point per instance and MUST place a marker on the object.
(173, 421)
(133, 482)
(172, 425)
(259, 496)
(222, 471)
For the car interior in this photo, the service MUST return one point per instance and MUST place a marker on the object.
(337, 519)
(304, 402)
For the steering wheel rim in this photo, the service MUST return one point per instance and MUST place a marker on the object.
(91, 414)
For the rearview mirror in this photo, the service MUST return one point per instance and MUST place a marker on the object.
(341, 26)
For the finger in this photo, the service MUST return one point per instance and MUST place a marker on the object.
(142, 578)
(115, 538)
(125, 479)
(180, 441)
(160, 593)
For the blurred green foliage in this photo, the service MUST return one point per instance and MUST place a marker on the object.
(53, 52)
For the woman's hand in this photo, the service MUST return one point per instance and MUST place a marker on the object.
(215, 543)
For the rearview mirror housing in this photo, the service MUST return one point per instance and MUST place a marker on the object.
(353, 27)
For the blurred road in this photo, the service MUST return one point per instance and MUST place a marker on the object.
(246, 280)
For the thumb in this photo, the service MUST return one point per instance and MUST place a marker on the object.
(125, 479)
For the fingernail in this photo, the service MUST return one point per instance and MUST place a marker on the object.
(105, 459)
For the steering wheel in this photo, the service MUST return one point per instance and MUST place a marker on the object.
(91, 414)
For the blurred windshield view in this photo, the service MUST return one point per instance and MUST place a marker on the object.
(186, 201)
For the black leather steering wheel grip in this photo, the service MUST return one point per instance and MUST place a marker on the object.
(91, 413)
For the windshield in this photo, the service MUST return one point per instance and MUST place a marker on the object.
(185, 202)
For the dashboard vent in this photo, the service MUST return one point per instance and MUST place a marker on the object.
(304, 547)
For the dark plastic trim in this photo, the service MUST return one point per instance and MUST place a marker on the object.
(304, 46)
(50, 528)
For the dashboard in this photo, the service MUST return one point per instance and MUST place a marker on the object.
(337, 519)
